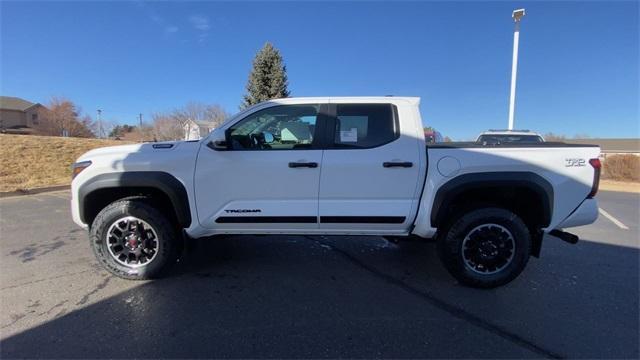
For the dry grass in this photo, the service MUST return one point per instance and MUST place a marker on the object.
(621, 186)
(622, 168)
(28, 162)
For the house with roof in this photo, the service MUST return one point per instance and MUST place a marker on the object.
(197, 129)
(17, 115)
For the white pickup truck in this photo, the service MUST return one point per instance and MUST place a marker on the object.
(334, 166)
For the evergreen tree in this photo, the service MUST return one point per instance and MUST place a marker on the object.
(268, 77)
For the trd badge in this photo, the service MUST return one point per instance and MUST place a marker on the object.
(574, 162)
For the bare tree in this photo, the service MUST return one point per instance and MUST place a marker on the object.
(166, 127)
(200, 112)
(174, 124)
(86, 127)
(554, 137)
(62, 118)
(142, 133)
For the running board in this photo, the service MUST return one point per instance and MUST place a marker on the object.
(565, 236)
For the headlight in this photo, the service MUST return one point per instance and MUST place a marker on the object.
(77, 168)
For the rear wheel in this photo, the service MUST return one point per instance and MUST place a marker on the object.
(485, 247)
(133, 240)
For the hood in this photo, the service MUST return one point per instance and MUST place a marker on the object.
(131, 149)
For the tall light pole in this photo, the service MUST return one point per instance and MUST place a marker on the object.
(99, 123)
(517, 15)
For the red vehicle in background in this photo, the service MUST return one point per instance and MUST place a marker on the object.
(432, 137)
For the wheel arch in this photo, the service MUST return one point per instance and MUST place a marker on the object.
(161, 187)
(496, 188)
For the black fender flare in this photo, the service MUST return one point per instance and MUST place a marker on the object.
(159, 180)
(521, 179)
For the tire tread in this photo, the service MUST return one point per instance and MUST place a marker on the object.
(450, 244)
(138, 207)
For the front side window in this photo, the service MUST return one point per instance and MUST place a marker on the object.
(364, 125)
(283, 127)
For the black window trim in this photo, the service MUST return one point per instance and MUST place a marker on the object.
(331, 126)
(318, 138)
(324, 135)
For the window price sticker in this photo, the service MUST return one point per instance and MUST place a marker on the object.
(349, 136)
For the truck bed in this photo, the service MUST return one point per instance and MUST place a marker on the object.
(473, 144)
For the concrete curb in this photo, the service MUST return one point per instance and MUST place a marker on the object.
(34, 191)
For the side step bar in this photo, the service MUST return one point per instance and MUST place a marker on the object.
(565, 236)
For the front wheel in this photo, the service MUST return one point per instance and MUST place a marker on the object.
(133, 240)
(485, 247)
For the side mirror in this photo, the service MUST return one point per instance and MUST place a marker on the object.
(219, 144)
(268, 137)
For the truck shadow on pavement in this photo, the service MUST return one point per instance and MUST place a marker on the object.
(310, 297)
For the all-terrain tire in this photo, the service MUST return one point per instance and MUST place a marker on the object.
(166, 233)
(484, 224)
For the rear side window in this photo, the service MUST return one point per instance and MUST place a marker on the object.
(362, 126)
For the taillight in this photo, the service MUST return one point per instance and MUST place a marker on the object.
(597, 165)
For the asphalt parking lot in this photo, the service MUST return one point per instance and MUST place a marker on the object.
(310, 297)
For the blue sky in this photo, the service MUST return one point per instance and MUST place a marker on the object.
(578, 65)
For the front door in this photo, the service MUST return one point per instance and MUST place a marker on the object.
(371, 170)
(268, 177)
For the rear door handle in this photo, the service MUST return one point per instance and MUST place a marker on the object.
(303, 164)
(404, 164)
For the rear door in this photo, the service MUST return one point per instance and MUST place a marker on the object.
(371, 169)
(268, 177)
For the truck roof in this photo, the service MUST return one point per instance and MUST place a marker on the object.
(413, 100)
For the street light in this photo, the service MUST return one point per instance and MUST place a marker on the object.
(99, 123)
(517, 15)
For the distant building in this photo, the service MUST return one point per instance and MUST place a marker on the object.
(196, 130)
(17, 115)
(611, 146)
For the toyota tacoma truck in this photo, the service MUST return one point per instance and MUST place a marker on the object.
(334, 166)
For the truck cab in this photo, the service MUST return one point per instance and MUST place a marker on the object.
(315, 166)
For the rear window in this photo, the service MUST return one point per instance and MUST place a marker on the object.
(363, 126)
(509, 139)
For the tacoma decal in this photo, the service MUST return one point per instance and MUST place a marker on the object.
(236, 211)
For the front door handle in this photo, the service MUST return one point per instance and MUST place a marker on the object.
(303, 164)
(404, 164)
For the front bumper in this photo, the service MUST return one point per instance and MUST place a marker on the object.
(585, 214)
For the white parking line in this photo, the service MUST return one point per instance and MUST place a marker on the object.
(613, 220)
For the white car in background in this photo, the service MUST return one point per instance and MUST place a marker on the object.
(497, 137)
